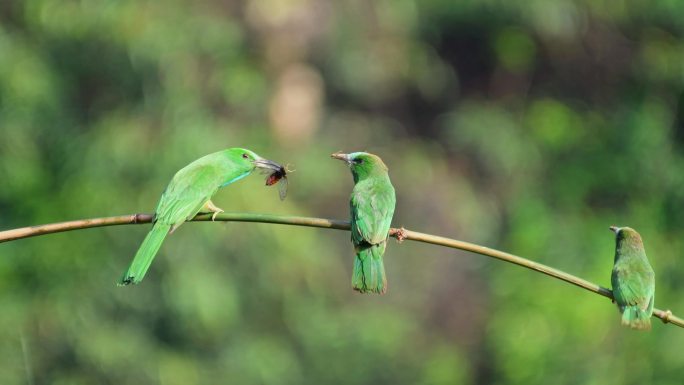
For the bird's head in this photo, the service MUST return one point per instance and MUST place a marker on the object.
(626, 234)
(362, 164)
(249, 160)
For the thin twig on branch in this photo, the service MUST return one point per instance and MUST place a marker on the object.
(400, 234)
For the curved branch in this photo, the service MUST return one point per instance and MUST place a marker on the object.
(400, 234)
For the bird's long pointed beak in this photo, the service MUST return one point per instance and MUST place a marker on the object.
(614, 229)
(267, 164)
(341, 156)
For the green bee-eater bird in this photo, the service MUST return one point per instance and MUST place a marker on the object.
(189, 193)
(372, 206)
(633, 279)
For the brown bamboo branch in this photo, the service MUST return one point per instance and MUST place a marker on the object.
(400, 234)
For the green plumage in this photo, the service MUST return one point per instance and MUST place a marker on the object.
(368, 275)
(372, 207)
(633, 279)
(145, 254)
(189, 193)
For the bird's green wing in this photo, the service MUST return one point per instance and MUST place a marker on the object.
(187, 193)
(633, 286)
(372, 210)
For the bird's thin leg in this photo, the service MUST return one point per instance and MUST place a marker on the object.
(210, 207)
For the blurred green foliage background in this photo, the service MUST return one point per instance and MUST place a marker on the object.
(528, 126)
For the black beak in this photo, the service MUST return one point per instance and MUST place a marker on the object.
(267, 164)
(341, 156)
(614, 229)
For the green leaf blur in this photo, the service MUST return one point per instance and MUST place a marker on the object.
(525, 126)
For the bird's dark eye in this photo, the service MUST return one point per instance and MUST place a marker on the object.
(245, 156)
(358, 160)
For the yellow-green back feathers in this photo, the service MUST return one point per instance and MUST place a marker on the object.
(372, 207)
(633, 279)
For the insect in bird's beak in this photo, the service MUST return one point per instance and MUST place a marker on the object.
(341, 156)
(267, 164)
(279, 176)
(614, 229)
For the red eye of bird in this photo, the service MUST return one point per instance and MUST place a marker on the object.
(245, 156)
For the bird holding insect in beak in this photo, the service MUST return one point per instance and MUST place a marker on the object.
(633, 279)
(372, 207)
(188, 194)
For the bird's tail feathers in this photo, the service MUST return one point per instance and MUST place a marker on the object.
(636, 318)
(369, 270)
(145, 255)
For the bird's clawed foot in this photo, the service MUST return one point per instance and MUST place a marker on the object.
(212, 208)
(400, 234)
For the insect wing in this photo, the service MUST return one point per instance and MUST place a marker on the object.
(282, 188)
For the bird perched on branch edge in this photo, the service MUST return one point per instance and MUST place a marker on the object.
(188, 194)
(633, 279)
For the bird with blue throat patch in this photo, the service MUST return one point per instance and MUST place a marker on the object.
(188, 194)
(372, 207)
(633, 279)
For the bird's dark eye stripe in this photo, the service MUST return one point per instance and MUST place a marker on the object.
(358, 160)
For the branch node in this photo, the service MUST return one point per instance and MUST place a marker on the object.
(666, 316)
(400, 234)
